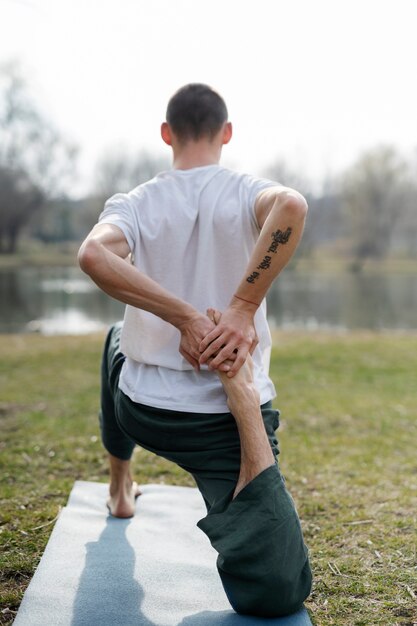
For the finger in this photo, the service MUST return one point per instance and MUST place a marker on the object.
(228, 363)
(212, 349)
(209, 338)
(217, 316)
(241, 358)
(210, 315)
(224, 354)
(193, 354)
(253, 346)
(225, 366)
(191, 360)
(214, 315)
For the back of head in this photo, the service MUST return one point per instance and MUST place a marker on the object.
(196, 111)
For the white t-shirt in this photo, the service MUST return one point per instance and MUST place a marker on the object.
(192, 231)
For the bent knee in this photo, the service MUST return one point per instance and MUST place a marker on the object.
(277, 596)
(271, 605)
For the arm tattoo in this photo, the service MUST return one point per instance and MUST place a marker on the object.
(263, 265)
(253, 277)
(278, 238)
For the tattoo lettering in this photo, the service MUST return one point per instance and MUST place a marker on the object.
(253, 277)
(265, 263)
(278, 237)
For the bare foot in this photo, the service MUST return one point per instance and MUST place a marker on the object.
(121, 502)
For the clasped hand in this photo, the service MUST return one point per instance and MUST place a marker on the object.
(222, 340)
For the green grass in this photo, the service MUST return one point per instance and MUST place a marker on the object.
(335, 262)
(348, 436)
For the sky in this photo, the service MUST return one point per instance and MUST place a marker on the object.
(310, 83)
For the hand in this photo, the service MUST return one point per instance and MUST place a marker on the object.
(215, 316)
(232, 339)
(193, 330)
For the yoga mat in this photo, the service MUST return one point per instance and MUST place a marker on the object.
(155, 569)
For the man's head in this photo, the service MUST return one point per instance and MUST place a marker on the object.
(196, 112)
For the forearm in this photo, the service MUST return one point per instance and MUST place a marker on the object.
(279, 237)
(276, 244)
(126, 283)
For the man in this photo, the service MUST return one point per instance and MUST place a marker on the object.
(179, 378)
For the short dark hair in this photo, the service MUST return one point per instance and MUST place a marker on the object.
(196, 111)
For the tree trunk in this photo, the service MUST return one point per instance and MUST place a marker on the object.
(13, 236)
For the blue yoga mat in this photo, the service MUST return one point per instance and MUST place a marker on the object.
(155, 569)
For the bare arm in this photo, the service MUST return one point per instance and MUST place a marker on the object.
(281, 214)
(102, 256)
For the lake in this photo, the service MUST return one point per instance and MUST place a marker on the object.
(63, 300)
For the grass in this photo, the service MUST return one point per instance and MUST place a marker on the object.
(336, 263)
(347, 438)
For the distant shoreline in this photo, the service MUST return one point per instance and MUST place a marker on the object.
(65, 255)
(53, 257)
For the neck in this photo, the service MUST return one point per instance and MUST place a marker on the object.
(196, 154)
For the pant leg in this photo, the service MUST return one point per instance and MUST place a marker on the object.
(263, 561)
(114, 438)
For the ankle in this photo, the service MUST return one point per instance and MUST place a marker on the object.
(119, 482)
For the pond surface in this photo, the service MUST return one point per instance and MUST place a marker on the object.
(65, 301)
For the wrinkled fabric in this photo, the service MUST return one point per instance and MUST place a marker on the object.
(262, 558)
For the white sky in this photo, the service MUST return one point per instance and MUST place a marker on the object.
(312, 82)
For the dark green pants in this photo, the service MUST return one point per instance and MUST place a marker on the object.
(263, 561)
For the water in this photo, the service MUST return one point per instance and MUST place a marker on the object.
(53, 301)
(65, 301)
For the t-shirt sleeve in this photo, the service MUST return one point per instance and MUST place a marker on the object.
(254, 187)
(118, 210)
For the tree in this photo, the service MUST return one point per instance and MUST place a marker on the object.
(119, 171)
(406, 232)
(19, 198)
(375, 192)
(35, 162)
(280, 172)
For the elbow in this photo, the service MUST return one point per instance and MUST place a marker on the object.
(294, 204)
(89, 255)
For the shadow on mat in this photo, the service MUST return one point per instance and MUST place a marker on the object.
(230, 618)
(109, 595)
